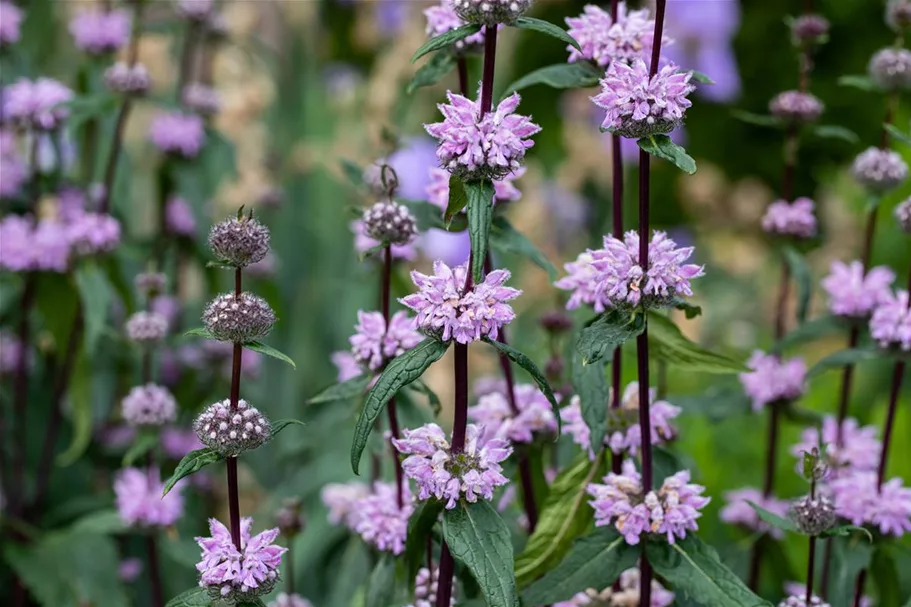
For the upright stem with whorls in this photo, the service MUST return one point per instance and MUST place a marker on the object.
(390, 406)
(233, 492)
(617, 232)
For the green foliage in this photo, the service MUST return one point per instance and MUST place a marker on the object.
(506, 239)
(194, 597)
(433, 71)
(445, 40)
(381, 586)
(662, 147)
(532, 369)
(773, 519)
(594, 561)
(400, 372)
(480, 215)
(851, 556)
(348, 389)
(145, 442)
(559, 76)
(800, 271)
(811, 330)
(96, 295)
(545, 27)
(606, 332)
(591, 385)
(666, 342)
(863, 83)
(480, 541)
(194, 461)
(843, 358)
(269, 351)
(833, 131)
(420, 526)
(80, 397)
(458, 199)
(757, 119)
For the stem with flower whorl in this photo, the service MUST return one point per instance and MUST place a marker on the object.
(617, 231)
(233, 493)
(390, 406)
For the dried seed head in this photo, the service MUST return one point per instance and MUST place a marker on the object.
(390, 222)
(149, 405)
(490, 12)
(238, 319)
(288, 517)
(810, 29)
(890, 69)
(796, 107)
(128, 80)
(239, 241)
(146, 327)
(230, 433)
(813, 515)
(150, 284)
(903, 215)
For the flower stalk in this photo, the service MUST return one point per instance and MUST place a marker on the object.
(236, 360)
(617, 231)
(390, 406)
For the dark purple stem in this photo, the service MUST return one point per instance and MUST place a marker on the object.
(463, 75)
(897, 377)
(490, 61)
(859, 587)
(390, 406)
(233, 492)
(447, 569)
(154, 571)
(110, 169)
(20, 397)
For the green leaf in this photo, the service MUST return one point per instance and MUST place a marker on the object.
(565, 516)
(717, 403)
(426, 214)
(594, 561)
(851, 556)
(757, 119)
(145, 442)
(479, 539)
(199, 332)
(591, 385)
(665, 463)
(432, 399)
(420, 526)
(281, 424)
(700, 77)
(506, 239)
(194, 461)
(102, 522)
(811, 330)
(432, 72)
(194, 597)
(262, 348)
(350, 388)
(844, 530)
(858, 82)
(353, 172)
(885, 576)
(691, 311)
(692, 569)
(80, 397)
(773, 519)
(458, 198)
(897, 134)
(480, 215)
(832, 131)
(400, 372)
(671, 345)
(800, 271)
(96, 294)
(559, 76)
(606, 332)
(842, 359)
(445, 40)
(381, 585)
(545, 27)
(532, 369)
(662, 147)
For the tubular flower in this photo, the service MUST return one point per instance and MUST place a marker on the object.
(625, 595)
(853, 294)
(790, 219)
(671, 511)
(858, 499)
(898, 15)
(444, 475)
(623, 432)
(813, 516)
(534, 417)
(443, 18)
(472, 147)
(379, 520)
(179, 218)
(809, 29)
(374, 345)
(146, 328)
(859, 449)
(890, 324)
(121, 78)
(139, 501)
(771, 380)
(425, 588)
(237, 576)
(443, 310)
(638, 105)
(879, 170)
(602, 41)
(390, 222)
(738, 512)
(283, 599)
(93, 233)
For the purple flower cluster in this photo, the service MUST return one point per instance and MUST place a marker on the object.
(534, 418)
(139, 501)
(612, 277)
(790, 219)
(623, 432)
(426, 583)
(378, 519)
(443, 310)
(638, 105)
(445, 475)
(201, 98)
(898, 15)
(796, 107)
(128, 79)
(234, 575)
(738, 512)
(10, 352)
(149, 405)
(340, 499)
(853, 293)
(602, 41)
(859, 449)
(626, 594)
(473, 147)
(99, 31)
(177, 133)
(37, 104)
(888, 508)
(146, 327)
(890, 69)
(879, 170)
(10, 20)
(346, 365)
(443, 18)
(364, 243)
(93, 233)
(772, 379)
(29, 246)
(903, 215)
(178, 217)
(374, 345)
(504, 190)
(890, 324)
(671, 511)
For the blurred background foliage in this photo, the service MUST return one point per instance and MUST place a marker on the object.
(307, 84)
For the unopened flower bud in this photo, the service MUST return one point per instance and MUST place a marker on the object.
(149, 405)
(149, 284)
(813, 515)
(288, 517)
(903, 215)
(146, 327)
(796, 107)
(390, 222)
(890, 69)
(231, 432)
(239, 241)
(490, 12)
(127, 80)
(898, 15)
(809, 29)
(238, 319)
(556, 322)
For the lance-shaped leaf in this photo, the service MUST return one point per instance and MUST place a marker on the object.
(269, 351)
(194, 461)
(545, 27)
(863, 83)
(381, 585)
(445, 40)
(426, 214)
(432, 72)
(693, 569)
(480, 540)
(591, 386)
(532, 369)
(843, 358)
(400, 372)
(420, 526)
(811, 330)
(559, 76)
(897, 134)
(800, 270)
(507, 239)
(350, 388)
(661, 146)
(757, 119)
(843, 530)
(199, 332)
(95, 293)
(145, 442)
(281, 424)
(565, 516)
(671, 345)
(779, 522)
(480, 214)
(607, 332)
(458, 199)
(195, 597)
(594, 561)
(833, 131)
